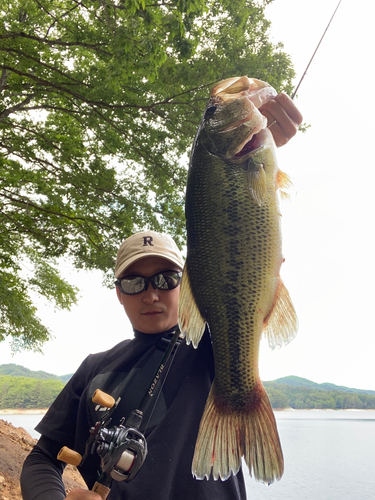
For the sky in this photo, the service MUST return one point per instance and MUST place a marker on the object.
(328, 225)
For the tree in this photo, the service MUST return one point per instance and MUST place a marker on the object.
(352, 401)
(100, 102)
(277, 398)
(24, 392)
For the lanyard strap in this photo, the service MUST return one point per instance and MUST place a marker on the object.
(135, 418)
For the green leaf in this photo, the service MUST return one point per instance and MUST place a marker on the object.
(100, 104)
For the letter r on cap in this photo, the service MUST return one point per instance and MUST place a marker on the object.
(147, 240)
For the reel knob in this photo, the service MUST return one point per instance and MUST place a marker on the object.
(103, 399)
(69, 456)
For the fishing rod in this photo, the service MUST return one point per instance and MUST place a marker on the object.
(312, 57)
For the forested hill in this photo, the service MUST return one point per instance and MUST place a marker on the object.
(304, 382)
(24, 388)
(20, 371)
(299, 393)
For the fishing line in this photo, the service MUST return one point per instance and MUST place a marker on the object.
(312, 57)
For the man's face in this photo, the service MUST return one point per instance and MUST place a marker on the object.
(151, 311)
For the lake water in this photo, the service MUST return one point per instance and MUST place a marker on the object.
(329, 455)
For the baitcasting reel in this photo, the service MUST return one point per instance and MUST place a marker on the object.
(122, 448)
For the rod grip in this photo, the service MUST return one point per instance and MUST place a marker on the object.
(101, 490)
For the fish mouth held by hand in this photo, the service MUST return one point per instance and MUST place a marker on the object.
(232, 122)
(250, 145)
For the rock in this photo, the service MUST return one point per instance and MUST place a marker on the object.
(15, 445)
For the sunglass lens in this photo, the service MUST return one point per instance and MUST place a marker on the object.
(167, 281)
(133, 285)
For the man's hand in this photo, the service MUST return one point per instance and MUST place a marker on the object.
(79, 494)
(288, 118)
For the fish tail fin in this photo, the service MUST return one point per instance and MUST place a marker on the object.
(226, 435)
(261, 445)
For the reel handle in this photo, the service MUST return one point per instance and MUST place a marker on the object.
(74, 458)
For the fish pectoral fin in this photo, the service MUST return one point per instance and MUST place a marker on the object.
(284, 195)
(257, 181)
(283, 180)
(281, 324)
(283, 183)
(191, 322)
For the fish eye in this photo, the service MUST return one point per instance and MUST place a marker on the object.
(210, 112)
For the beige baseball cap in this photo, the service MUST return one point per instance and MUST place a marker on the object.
(147, 244)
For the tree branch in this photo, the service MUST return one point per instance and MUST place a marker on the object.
(33, 132)
(101, 104)
(3, 79)
(77, 220)
(96, 47)
(44, 65)
(4, 114)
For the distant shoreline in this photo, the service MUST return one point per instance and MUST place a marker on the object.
(28, 411)
(42, 411)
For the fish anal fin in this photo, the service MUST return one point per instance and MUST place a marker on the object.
(281, 325)
(257, 182)
(190, 320)
(225, 436)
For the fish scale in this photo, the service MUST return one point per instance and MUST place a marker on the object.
(231, 282)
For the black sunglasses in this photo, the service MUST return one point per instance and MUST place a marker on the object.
(131, 285)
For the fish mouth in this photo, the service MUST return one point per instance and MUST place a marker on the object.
(246, 122)
(250, 145)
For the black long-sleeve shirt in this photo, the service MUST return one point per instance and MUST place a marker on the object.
(126, 371)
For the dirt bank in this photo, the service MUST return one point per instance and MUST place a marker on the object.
(15, 445)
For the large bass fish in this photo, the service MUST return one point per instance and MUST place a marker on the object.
(231, 279)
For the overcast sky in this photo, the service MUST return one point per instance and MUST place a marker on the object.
(328, 225)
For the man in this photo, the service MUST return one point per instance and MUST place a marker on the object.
(148, 273)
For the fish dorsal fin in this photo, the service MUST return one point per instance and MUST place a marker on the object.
(281, 325)
(189, 317)
(257, 181)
